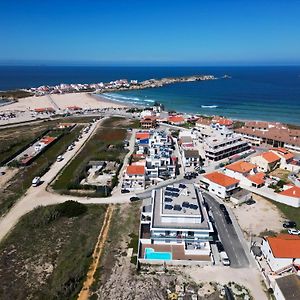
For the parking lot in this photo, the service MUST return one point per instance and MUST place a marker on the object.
(228, 235)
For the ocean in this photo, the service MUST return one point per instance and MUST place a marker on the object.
(258, 93)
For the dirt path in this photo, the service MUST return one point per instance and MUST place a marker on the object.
(85, 291)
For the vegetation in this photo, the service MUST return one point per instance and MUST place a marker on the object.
(22, 180)
(95, 149)
(291, 213)
(16, 94)
(238, 124)
(48, 253)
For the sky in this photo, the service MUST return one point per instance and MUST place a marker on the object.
(156, 32)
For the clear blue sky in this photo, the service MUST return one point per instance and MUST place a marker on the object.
(152, 32)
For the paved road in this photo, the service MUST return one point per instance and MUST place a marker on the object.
(228, 236)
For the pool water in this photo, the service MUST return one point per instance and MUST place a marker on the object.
(151, 254)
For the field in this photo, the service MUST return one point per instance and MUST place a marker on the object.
(110, 134)
(48, 253)
(22, 180)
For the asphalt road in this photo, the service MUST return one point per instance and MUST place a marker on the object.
(228, 236)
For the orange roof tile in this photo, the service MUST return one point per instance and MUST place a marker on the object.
(241, 166)
(142, 135)
(258, 178)
(270, 156)
(285, 246)
(176, 119)
(285, 153)
(221, 179)
(292, 192)
(135, 170)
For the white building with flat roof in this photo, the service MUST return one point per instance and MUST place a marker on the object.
(175, 227)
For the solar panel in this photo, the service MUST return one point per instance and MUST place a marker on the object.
(176, 190)
(168, 206)
(168, 199)
(175, 194)
(177, 207)
(169, 194)
(168, 188)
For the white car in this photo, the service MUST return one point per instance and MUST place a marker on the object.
(36, 181)
(294, 231)
(59, 158)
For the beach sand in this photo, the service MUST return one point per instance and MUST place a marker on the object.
(61, 101)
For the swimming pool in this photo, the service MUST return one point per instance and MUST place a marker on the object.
(151, 254)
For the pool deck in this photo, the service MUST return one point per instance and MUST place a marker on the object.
(177, 252)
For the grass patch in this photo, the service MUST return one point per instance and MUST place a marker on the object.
(22, 180)
(15, 94)
(291, 213)
(48, 253)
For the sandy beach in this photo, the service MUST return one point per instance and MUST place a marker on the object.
(61, 101)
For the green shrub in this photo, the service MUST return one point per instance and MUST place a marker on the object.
(71, 209)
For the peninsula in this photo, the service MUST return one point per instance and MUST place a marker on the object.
(112, 86)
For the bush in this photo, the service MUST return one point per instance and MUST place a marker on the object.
(71, 209)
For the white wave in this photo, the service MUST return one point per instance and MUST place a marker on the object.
(209, 106)
(149, 100)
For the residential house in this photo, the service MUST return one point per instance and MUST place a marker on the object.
(148, 122)
(191, 158)
(134, 178)
(287, 287)
(220, 184)
(287, 161)
(266, 161)
(290, 196)
(282, 251)
(176, 120)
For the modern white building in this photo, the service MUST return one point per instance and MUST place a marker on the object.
(224, 143)
(175, 227)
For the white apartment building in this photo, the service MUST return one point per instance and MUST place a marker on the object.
(175, 227)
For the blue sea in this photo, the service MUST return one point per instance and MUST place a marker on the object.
(259, 93)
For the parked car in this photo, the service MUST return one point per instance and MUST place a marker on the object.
(224, 258)
(228, 219)
(132, 199)
(36, 181)
(124, 191)
(222, 207)
(289, 224)
(250, 202)
(294, 231)
(59, 158)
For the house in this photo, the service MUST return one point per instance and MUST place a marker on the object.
(44, 110)
(134, 178)
(222, 121)
(190, 158)
(266, 161)
(203, 123)
(287, 161)
(246, 172)
(291, 196)
(281, 251)
(175, 227)
(220, 184)
(240, 169)
(176, 120)
(287, 287)
(148, 122)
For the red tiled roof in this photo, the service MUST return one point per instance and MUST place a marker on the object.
(241, 166)
(176, 119)
(270, 157)
(222, 121)
(221, 179)
(285, 153)
(285, 246)
(47, 139)
(292, 192)
(44, 109)
(148, 119)
(258, 178)
(135, 170)
(142, 135)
